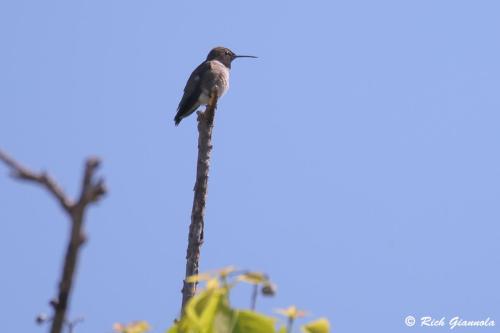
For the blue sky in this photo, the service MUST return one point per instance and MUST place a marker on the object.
(356, 161)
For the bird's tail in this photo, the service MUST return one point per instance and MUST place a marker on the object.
(177, 119)
(183, 113)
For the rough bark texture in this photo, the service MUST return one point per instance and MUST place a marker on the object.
(92, 190)
(195, 239)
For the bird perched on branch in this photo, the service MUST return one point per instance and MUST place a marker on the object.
(210, 75)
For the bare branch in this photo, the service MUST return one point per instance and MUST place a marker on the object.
(20, 172)
(92, 190)
(195, 240)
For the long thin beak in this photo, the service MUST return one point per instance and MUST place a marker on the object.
(244, 56)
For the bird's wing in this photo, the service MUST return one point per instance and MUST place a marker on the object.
(192, 90)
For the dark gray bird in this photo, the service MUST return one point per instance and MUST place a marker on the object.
(211, 74)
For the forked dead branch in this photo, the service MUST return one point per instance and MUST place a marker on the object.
(92, 190)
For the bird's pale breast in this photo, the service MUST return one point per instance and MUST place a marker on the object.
(218, 78)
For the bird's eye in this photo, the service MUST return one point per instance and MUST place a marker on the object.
(227, 53)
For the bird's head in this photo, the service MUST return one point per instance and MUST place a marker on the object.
(225, 55)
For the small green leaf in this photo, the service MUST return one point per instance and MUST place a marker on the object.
(292, 312)
(253, 322)
(198, 278)
(224, 272)
(253, 277)
(321, 325)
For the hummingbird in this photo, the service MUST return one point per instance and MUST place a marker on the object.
(211, 74)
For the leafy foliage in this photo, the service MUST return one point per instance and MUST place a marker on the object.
(210, 310)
